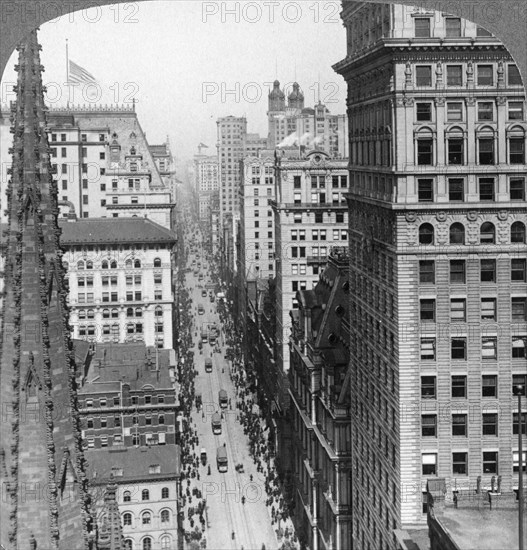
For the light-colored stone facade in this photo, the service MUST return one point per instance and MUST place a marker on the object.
(437, 252)
(310, 218)
(121, 290)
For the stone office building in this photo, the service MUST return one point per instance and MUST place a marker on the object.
(436, 112)
(120, 280)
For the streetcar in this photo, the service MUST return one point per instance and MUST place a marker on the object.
(222, 460)
(223, 399)
(216, 423)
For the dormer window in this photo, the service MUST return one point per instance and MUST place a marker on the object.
(132, 150)
(133, 167)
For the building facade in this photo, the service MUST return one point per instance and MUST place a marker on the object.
(120, 280)
(104, 166)
(310, 217)
(206, 173)
(147, 481)
(313, 128)
(232, 138)
(320, 412)
(437, 260)
(127, 397)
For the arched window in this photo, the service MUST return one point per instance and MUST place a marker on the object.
(138, 312)
(137, 263)
(127, 519)
(159, 311)
(91, 314)
(457, 233)
(130, 312)
(147, 543)
(129, 264)
(518, 232)
(80, 264)
(128, 544)
(145, 494)
(104, 264)
(157, 262)
(487, 233)
(115, 313)
(166, 542)
(127, 496)
(165, 516)
(113, 264)
(105, 313)
(89, 264)
(426, 233)
(164, 492)
(146, 518)
(82, 314)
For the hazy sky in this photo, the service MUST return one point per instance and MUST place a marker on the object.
(189, 62)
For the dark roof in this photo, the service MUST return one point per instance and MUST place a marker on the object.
(135, 462)
(131, 363)
(114, 230)
(159, 149)
(81, 349)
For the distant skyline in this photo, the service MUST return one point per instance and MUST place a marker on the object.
(186, 63)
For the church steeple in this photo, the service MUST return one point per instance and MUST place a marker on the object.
(42, 465)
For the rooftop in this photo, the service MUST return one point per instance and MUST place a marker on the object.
(135, 462)
(131, 363)
(114, 230)
(480, 528)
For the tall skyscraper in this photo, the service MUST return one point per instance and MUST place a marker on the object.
(437, 261)
(45, 501)
(232, 137)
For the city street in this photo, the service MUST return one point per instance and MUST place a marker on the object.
(237, 516)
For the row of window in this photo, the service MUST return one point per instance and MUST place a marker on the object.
(114, 313)
(84, 152)
(458, 309)
(109, 297)
(320, 182)
(456, 111)
(486, 75)
(112, 264)
(134, 400)
(113, 280)
(148, 544)
(456, 189)
(460, 463)
(487, 233)
(319, 217)
(116, 440)
(455, 150)
(114, 330)
(318, 234)
(459, 424)
(458, 348)
(103, 421)
(452, 28)
(84, 137)
(320, 198)
(489, 386)
(458, 271)
(146, 518)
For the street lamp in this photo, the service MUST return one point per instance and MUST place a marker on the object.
(519, 392)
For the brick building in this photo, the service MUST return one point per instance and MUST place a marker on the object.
(320, 413)
(127, 397)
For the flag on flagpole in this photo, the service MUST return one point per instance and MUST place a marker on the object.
(78, 75)
(203, 146)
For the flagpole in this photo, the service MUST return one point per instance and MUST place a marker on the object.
(67, 74)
